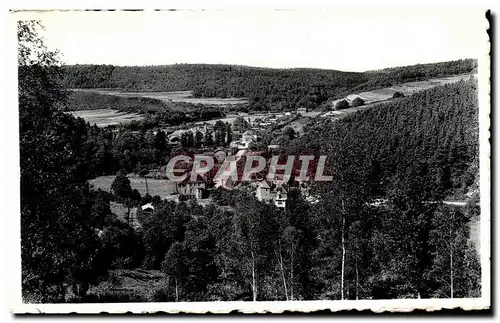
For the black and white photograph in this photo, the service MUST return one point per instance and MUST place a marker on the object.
(260, 160)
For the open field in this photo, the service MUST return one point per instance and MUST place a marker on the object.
(106, 117)
(161, 187)
(176, 96)
(384, 94)
(405, 88)
(230, 118)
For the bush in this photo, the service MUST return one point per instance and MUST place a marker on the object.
(343, 104)
(397, 95)
(358, 102)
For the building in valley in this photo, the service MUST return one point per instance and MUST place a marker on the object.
(267, 191)
(301, 111)
(197, 189)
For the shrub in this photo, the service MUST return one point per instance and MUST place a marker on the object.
(343, 104)
(397, 95)
(358, 102)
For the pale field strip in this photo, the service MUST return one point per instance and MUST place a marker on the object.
(406, 88)
(160, 187)
(106, 117)
(174, 96)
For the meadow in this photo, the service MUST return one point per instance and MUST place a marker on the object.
(406, 89)
(172, 96)
(106, 117)
(161, 187)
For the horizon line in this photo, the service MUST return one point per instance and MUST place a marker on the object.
(273, 68)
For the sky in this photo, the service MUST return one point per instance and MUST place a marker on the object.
(349, 40)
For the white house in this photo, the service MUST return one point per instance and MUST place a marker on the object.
(148, 206)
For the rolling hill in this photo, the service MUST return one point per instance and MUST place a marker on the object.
(265, 88)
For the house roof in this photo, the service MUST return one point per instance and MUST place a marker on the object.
(265, 184)
(199, 179)
(147, 206)
(282, 188)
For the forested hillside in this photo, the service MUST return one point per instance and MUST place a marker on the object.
(264, 87)
(432, 135)
(397, 75)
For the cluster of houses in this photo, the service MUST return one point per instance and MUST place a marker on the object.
(246, 140)
(273, 191)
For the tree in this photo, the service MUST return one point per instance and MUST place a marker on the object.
(287, 250)
(253, 240)
(121, 186)
(220, 133)
(342, 104)
(240, 125)
(290, 133)
(143, 171)
(161, 146)
(59, 242)
(174, 266)
(453, 266)
(122, 247)
(100, 209)
(397, 95)
(358, 102)
(209, 141)
(187, 139)
(357, 243)
(190, 139)
(200, 247)
(160, 141)
(342, 203)
(198, 139)
(146, 199)
(135, 196)
(229, 134)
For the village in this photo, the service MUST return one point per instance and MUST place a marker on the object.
(246, 143)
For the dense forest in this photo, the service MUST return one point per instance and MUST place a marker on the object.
(433, 133)
(411, 152)
(266, 89)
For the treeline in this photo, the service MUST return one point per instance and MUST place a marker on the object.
(266, 89)
(136, 147)
(131, 148)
